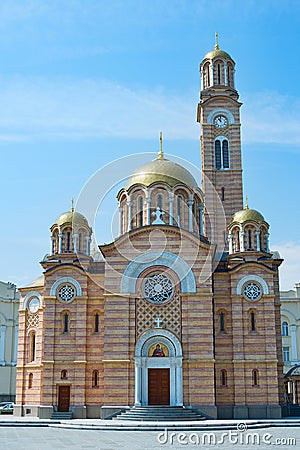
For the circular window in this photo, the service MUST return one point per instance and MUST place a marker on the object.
(158, 288)
(34, 305)
(66, 293)
(252, 291)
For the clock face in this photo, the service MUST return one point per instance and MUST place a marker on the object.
(34, 304)
(220, 121)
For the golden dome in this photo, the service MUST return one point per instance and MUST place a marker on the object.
(72, 217)
(217, 53)
(161, 170)
(246, 215)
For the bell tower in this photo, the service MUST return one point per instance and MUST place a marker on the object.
(219, 116)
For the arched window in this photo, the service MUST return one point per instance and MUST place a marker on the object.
(252, 320)
(250, 239)
(30, 380)
(285, 329)
(219, 74)
(140, 207)
(95, 378)
(159, 202)
(32, 347)
(221, 153)
(222, 322)
(255, 377)
(66, 322)
(179, 200)
(64, 374)
(223, 377)
(96, 323)
(68, 242)
(80, 242)
(223, 194)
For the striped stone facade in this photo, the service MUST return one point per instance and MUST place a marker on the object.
(166, 295)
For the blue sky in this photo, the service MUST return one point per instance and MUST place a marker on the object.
(85, 82)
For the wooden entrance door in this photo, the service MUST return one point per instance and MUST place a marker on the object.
(158, 386)
(63, 398)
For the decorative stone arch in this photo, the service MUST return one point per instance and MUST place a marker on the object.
(29, 296)
(260, 280)
(143, 362)
(158, 258)
(66, 280)
(216, 112)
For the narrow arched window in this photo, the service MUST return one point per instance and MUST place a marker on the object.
(64, 374)
(254, 377)
(159, 202)
(95, 378)
(252, 321)
(79, 242)
(179, 200)
(223, 377)
(219, 74)
(218, 161)
(249, 239)
(225, 154)
(32, 347)
(96, 323)
(140, 211)
(68, 243)
(30, 380)
(223, 194)
(285, 329)
(222, 322)
(66, 323)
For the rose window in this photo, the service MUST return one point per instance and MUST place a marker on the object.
(252, 291)
(158, 288)
(66, 293)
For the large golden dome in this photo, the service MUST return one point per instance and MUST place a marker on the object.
(161, 170)
(246, 215)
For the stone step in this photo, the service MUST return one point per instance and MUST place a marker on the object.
(56, 415)
(160, 413)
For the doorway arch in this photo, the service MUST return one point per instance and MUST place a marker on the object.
(172, 361)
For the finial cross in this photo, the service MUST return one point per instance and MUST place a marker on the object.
(158, 322)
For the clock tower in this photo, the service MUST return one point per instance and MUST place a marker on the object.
(219, 116)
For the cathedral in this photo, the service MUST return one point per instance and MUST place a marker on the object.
(182, 309)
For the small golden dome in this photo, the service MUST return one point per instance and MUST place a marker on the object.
(217, 53)
(72, 217)
(161, 170)
(246, 215)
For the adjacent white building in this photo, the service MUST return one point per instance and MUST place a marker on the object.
(9, 305)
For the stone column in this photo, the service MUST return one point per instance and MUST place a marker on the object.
(242, 241)
(230, 240)
(201, 229)
(294, 359)
(225, 74)
(148, 215)
(75, 237)
(179, 392)
(2, 344)
(267, 242)
(190, 205)
(120, 220)
(52, 239)
(14, 362)
(87, 245)
(129, 215)
(211, 74)
(257, 240)
(171, 200)
(138, 384)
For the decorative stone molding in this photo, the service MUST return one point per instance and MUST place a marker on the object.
(260, 280)
(66, 280)
(29, 296)
(158, 258)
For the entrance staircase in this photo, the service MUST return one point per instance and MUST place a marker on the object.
(56, 415)
(160, 414)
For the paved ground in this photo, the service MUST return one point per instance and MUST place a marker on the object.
(46, 438)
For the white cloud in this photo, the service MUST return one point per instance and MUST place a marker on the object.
(290, 269)
(270, 117)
